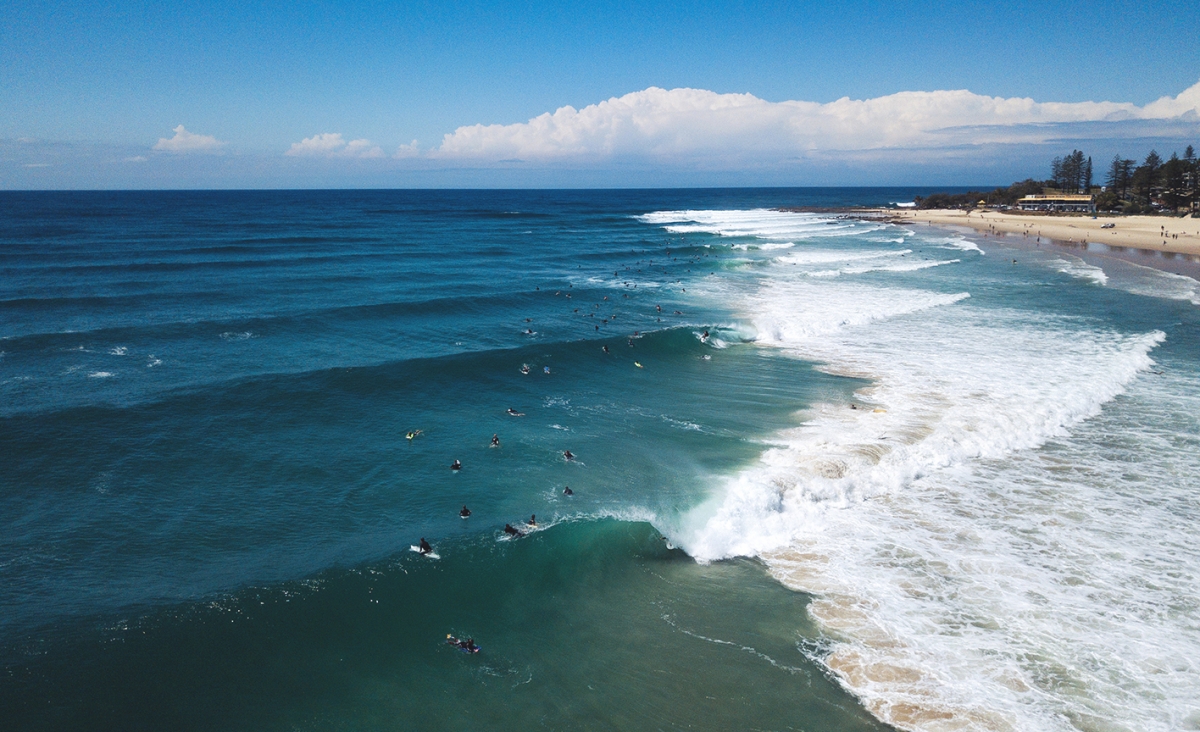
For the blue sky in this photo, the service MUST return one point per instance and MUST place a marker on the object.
(88, 89)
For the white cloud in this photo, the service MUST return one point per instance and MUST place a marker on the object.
(694, 124)
(411, 150)
(331, 145)
(186, 142)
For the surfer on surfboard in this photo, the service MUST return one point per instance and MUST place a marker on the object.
(464, 513)
(424, 547)
(467, 646)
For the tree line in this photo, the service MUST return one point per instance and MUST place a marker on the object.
(1156, 185)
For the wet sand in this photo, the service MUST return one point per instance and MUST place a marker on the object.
(1166, 243)
(1155, 233)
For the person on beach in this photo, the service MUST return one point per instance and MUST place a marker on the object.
(424, 548)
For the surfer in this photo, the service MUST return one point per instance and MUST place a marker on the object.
(546, 370)
(467, 645)
(525, 368)
(605, 348)
(508, 529)
(495, 441)
(412, 434)
(456, 465)
(704, 336)
(464, 513)
(568, 492)
(424, 548)
(514, 413)
(567, 455)
(533, 520)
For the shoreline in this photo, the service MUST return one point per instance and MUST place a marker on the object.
(1134, 239)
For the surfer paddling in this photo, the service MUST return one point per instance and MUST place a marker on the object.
(467, 646)
(514, 413)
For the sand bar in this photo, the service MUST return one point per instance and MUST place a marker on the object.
(1153, 233)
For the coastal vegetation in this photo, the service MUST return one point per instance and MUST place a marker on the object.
(1155, 186)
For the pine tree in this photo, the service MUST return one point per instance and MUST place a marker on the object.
(1147, 175)
(1193, 173)
(1119, 173)
(1174, 180)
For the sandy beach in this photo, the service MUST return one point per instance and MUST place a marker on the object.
(1152, 233)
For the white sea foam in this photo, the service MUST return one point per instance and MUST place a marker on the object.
(908, 266)
(1076, 267)
(759, 223)
(963, 244)
(100, 375)
(1152, 282)
(983, 556)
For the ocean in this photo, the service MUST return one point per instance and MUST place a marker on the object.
(825, 473)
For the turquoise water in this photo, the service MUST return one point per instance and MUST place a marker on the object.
(208, 497)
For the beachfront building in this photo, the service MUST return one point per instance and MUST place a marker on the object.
(1081, 203)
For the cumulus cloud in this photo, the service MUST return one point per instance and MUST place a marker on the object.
(187, 142)
(331, 145)
(411, 150)
(660, 124)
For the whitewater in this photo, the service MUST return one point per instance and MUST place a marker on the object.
(1001, 530)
